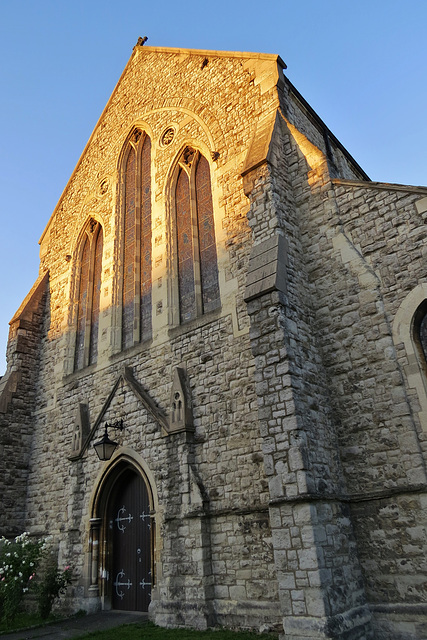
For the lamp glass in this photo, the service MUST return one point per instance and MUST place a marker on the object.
(105, 447)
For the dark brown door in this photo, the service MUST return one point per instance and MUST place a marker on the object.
(130, 530)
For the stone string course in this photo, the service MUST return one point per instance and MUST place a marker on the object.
(295, 501)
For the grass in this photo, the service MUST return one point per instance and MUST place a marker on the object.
(138, 631)
(148, 631)
(25, 621)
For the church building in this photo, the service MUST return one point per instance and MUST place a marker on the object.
(215, 400)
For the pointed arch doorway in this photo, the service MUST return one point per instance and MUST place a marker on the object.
(129, 533)
(126, 539)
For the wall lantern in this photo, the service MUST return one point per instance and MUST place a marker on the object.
(105, 447)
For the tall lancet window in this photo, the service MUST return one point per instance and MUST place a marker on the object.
(89, 293)
(136, 318)
(198, 286)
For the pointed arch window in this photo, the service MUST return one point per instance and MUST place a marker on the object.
(198, 286)
(420, 331)
(89, 294)
(136, 289)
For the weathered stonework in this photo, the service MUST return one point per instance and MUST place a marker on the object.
(281, 435)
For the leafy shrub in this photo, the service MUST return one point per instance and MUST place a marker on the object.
(53, 583)
(19, 559)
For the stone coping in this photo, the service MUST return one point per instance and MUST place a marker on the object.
(386, 186)
(215, 53)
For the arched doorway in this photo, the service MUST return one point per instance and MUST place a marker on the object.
(129, 534)
(125, 506)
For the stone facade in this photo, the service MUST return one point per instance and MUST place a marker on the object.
(281, 432)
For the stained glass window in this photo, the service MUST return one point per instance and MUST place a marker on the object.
(184, 229)
(146, 240)
(89, 293)
(136, 318)
(195, 231)
(96, 297)
(82, 305)
(422, 332)
(207, 244)
(129, 252)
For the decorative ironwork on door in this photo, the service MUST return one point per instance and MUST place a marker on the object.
(130, 530)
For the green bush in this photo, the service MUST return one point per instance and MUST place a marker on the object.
(19, 559)
(53, 583)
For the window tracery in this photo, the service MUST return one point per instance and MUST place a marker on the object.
(89, 293)
(137, 256)
(198, 286)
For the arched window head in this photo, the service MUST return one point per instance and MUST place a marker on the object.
(198, 286)
(89, 293)
(420, 331)
(136, 290)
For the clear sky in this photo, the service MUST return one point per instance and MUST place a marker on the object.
(361, 65)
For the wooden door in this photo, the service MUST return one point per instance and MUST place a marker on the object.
(130, 531)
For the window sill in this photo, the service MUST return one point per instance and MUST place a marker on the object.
(191, 325)
(131, 351)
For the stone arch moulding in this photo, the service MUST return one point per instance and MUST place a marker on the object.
(137, 125)
(195, 144)
(98, 561)
(132, 458)
(204, 118)
(171, 178)
(403, 332)
(80, 228)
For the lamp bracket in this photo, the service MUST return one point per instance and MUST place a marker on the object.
(118, 424)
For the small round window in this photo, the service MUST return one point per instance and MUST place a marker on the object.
(167, 137)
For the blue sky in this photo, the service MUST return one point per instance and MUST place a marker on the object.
(361, 66)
